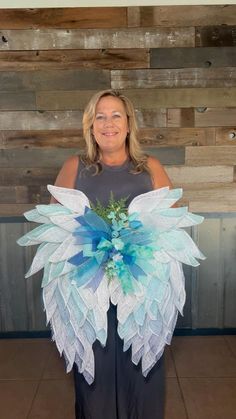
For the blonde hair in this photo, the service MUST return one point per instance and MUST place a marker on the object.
(135, 153)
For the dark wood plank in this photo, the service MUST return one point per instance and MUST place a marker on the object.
(41, 158)
(83, 79)
(192, 57)
(216, 36)
(54, 39)
(69, 18)
(72, 59)
(17, 101)
(40, 120)
(174, 78)
(42, 139)
(24, 194)
(191, 15)
(11, 210)
(28, 176)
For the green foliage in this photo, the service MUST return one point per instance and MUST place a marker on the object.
(116, 207)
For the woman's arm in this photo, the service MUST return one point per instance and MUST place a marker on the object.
(158, 173)
(67, 175)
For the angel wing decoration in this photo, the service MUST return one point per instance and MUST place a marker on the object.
(132, 259)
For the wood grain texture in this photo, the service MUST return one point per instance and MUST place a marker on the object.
(82, 79)
(181, 175)
(174, 78)
(216, 36)
(36, 120)
(217, 117)
(42, 139)
(74, 59)
(210, 155)
(38, 158)
(177, 136)
(146, 98)
(226, 136)
(44, 39)
(74, 17)
(28, 176)
(207, 57)
(11, 210)
(24, 194)
(179, 16)
(17, 101)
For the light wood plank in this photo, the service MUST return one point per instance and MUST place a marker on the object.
(69, 59)
(133, 17)
(216, 36)
(69, 17)
(188, 15)
(96, 38)
(210, 155)
(215, 117)
(181, 175)
(176, 136)
(174, 78)
(36, 120)
(207, 57)
(226, 136)
(210, 191)
(82, 79)
(42, 139)
(213, 206)
(57, 100)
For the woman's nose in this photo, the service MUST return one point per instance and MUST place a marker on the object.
(108, 120)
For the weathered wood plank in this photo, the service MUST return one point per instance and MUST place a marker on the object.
(213, 117)
(147, 98)
(28, 176)
(41, 158)
(40, 120)
(64, 59)
(226, 136)
(11, 210)
(71, 18)
(192, 57)
(58, 100)
(167, 155)
(176, 136)
(82, 79)
(229, 269)
(133, 16)
(210, 155)
(216, 36)
(24, 194)
(181, 175)
(42, 39)
(187, 15)
(42, 139)
(180, 117)
(213, 206)
(174, 78)
(210, 191)
(17, 100)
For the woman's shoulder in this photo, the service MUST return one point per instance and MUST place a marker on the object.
(158, 173)
(67, 175)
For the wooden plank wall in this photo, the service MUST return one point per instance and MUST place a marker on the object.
(178, 65)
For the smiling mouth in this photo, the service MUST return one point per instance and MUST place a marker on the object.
(109, 134)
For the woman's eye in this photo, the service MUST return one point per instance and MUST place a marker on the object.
(116, 115)
(99, 117)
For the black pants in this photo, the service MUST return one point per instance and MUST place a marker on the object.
(119, 390)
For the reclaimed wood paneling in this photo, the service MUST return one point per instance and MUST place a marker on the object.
(40, 120)
(206, 57)
(62, 100)
(81, 79)
(174, 78)
(226, 136)
(210, 191)
(177, 136)
(41, 139)
(17, 100)
(70, 18)
(181, 175)
(96, 38)
(216, 36)
(210, 155)
(69, 59)
(40, 158)
(179, 16)
(24, 194)
(29, 176)
(215, 117)
(13, 210)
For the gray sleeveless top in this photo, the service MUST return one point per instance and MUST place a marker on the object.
(115, 179)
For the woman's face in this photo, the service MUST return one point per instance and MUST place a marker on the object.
(110, 126)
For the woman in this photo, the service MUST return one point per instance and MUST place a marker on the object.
(114, 163)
